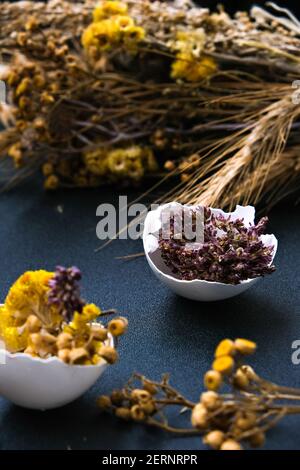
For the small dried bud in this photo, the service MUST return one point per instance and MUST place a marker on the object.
(33, 324)
(78, 355)
(109, 354)
(118, 326)
(246, 421)
(250, 374)
(169, 165)
(123, 413)
(244, 346)
(148, 407)
(241, 380)
(199, 416)
(139, 395)
(137, 413)
(211, 400)
(213, 380)
(64, 355)
(64, 341)
(230, 444)
(214, 439)
(117, 397)
(257, 439)
(104, 402)
(99, 333)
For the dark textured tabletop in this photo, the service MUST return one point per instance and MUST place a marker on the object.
(166, 333)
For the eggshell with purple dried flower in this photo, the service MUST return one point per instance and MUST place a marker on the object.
(197, 289)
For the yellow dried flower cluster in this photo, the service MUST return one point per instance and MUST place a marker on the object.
(31, 323)
(224, 362)
(191, 63)
(111, 27)
(120, 163)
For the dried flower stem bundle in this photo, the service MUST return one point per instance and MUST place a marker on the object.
(227, 421)
(106, 91)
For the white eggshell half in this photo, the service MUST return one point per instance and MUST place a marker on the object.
(43, 384)
(197, 289)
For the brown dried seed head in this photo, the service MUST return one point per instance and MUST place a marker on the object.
(169, 165)
(104, 402)
(117, 397)
(78, 355)
(117, 326)
(250, 373)
(109, 354)
(148, 407)
(137, 413)
(258, 439)
(214, 439)
(241, 380)
(230, 444)
(246, 421)
(199, 418)
(140, 395)
(123, 413)
(211, 400)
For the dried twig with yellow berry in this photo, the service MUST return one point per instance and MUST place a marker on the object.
(238, 418)
(44, 315)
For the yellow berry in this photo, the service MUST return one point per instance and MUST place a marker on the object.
(213, 380)
(225, 348)
(117, 326)
(224, 365)
(244, 346)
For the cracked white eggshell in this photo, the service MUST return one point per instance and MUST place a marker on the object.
(42, 384)
(197, 289)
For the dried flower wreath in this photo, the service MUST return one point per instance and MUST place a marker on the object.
(116, 90)
(227, 421)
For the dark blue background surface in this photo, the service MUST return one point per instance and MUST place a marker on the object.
(166, 333)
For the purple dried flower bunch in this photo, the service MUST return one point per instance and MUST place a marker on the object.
(65, 291)
(231, 252)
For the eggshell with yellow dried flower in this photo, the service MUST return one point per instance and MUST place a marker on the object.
(36, 383)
